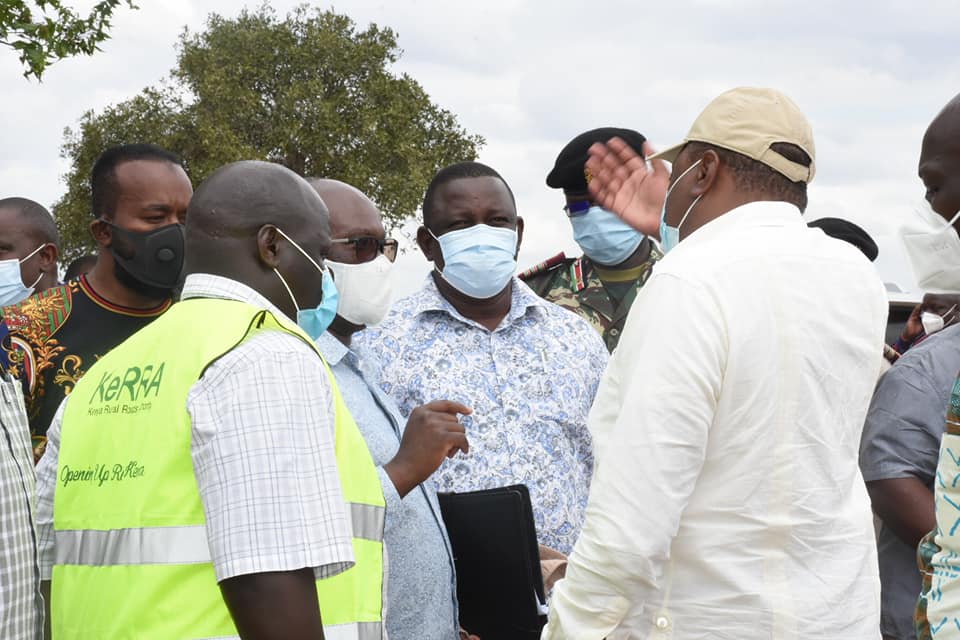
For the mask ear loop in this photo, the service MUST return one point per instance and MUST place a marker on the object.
(305, 255)
(433, 235)
(947, 314)
(954, 219)
(33, 253)
(298, 248)
(689, 209)
(692, 204)
(289, 292)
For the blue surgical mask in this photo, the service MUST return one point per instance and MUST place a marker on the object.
(314, 321)
(670, 236)
(478, 261)
(317, 320)
(604, 237)
(12, 289)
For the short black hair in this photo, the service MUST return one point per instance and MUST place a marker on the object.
(455, 172)
(103, 183)
(37, 215)
(78, 267)
(751, 175)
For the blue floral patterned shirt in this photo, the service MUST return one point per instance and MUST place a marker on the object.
(530, 383)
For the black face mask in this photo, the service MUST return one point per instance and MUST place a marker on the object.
(152, 258)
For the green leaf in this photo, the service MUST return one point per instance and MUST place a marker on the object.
(57, 33)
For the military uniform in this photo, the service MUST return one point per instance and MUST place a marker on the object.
(575, 284)
(600, 295)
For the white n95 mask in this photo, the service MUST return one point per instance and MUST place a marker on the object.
(933, 246)
(933, 322)
(365, 290)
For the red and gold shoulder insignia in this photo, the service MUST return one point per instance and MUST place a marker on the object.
(41, 315)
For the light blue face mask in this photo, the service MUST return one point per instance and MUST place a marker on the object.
(478, 261)
(314, 321)
(317, 320)
(604, 237)
(670, 236)
(12, 289)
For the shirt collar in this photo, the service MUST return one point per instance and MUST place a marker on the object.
(332, 350)
(429, 299)
(747, 216)
(207, 285)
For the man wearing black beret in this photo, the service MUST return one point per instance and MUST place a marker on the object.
(617, 259)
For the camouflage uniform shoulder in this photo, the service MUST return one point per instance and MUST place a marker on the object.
(540, 276)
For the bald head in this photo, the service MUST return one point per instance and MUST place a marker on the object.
(241, 197)
(29, 235)
(35, 219)
(262, 225)
(352, 213)
(358, 238)
(939, 166)
(948, 120)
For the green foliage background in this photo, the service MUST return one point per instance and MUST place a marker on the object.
(310, 91)
(44, 31)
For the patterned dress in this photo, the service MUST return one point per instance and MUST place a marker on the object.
(50, 340)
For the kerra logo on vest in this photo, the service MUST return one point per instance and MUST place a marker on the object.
(127, 391)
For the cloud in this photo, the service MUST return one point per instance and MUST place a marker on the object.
(529, 76)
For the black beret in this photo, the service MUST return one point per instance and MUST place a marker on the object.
(848, 232)
(568, 172)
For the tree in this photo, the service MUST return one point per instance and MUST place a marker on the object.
(309, 91)
(45, 31)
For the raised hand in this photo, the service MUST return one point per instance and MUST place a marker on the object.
(620, 181)
(433, 433)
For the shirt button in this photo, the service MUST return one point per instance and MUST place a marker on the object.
(662, 623)
(614, 332)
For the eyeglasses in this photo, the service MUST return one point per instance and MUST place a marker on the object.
(367, 247)
(577, 208)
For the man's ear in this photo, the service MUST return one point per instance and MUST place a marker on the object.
(268, 246)
(48, 258)
(706, 172)
(519, 236)
(425, 242)
(102, 233)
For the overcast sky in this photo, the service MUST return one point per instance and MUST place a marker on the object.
(529, 76)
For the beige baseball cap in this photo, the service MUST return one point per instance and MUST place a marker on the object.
(748, 120)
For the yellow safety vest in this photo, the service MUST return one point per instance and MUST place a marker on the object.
(132, 559)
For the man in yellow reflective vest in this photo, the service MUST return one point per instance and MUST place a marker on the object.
(213, 448)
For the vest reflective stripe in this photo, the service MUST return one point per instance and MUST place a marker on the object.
(131, 553)
(150, 545)
(172, 545)
(354, 631)
(368, 521)
(357, 631)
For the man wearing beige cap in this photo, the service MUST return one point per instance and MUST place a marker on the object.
(726, 501)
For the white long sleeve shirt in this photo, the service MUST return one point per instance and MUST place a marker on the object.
(727, 502)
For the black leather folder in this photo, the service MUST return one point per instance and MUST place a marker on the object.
(499, 583)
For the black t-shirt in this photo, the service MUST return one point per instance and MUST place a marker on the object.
(53, 337)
